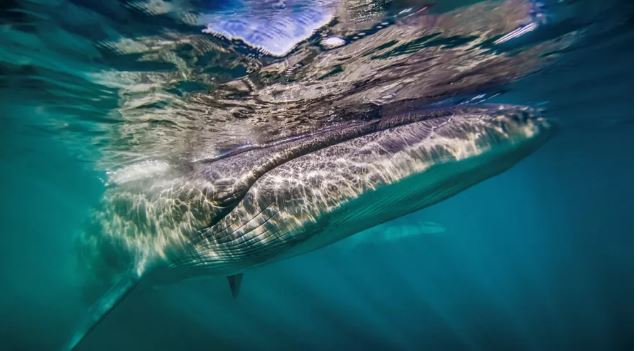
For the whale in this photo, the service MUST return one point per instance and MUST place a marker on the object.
(227, 214)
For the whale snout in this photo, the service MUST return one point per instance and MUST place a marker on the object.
(516, 124)
(526, 117)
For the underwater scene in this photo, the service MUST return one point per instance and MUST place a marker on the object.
(316, 175)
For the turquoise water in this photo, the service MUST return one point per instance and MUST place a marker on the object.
(537, 258)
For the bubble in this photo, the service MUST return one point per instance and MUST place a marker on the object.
(332, 42)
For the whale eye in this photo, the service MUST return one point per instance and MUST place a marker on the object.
(224, 192)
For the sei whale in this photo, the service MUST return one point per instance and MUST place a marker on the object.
(296, 153)
(225, 215)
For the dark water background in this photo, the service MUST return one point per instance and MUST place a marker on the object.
(537, 258)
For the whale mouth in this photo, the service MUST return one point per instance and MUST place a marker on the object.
(286, 193)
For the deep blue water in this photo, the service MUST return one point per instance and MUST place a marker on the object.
(537, 258)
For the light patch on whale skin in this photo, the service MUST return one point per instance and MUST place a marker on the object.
(146, 221)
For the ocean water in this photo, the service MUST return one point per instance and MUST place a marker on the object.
(539, 257)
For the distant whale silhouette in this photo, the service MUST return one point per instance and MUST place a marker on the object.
(225, 215)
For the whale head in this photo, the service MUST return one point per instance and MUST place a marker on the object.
(226, 214)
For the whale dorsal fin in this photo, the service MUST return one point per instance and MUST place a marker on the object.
(235, 283)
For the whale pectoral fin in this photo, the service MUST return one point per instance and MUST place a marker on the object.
(235, 283)
(103, 307)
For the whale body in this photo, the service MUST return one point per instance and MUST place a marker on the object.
(225, 215)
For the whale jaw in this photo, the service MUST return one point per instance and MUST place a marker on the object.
(332, 192)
